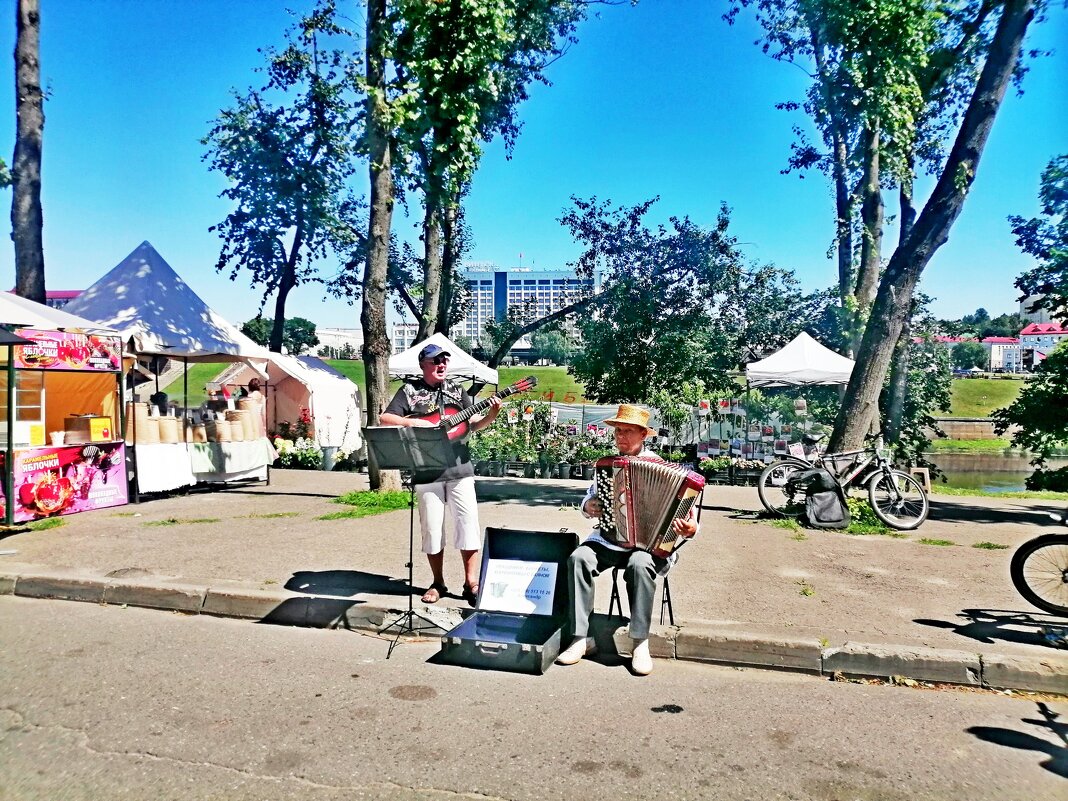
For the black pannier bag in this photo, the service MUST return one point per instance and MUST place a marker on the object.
(825, 502)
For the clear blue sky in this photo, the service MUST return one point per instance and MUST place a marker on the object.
(660, 99)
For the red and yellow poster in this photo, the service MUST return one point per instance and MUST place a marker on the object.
(62, 350)
(64, 480)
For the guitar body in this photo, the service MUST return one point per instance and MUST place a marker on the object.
(458, 431)
(454, 420)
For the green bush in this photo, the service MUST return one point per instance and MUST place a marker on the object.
(1048, 480)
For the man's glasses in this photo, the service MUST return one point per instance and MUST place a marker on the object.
(440, 359)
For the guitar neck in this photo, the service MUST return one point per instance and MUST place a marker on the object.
(481, 406)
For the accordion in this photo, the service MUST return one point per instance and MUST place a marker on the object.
(640, 497)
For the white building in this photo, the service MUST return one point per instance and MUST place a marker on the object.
(1040, 316)
(403, 336)
(332, 341)
(493, 291)
(1003, 354)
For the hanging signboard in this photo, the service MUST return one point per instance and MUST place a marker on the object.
(63, 350)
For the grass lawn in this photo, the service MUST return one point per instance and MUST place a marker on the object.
(978, 397)
(199, 375)
(554, 383)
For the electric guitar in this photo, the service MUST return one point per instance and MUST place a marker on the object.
(455, 420)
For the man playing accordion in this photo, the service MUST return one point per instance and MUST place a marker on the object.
(598, 553)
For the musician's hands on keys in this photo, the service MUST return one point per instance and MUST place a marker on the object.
(592, 507)
(685, 527)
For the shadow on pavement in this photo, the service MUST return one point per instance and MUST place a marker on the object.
(1057, 751)
(965, 513)
(529, 493)
(994, 625)
(346, 583)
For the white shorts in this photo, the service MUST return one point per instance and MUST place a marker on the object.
(459, 497)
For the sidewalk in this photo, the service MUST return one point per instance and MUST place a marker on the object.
(745, 592)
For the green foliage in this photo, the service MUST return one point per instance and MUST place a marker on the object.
(1046, 238)
(298, 336)
(555, 346)
(677, 304)
(989, 546)
(930, 541)
(967, 355)
(1048, 480)
(287, 152)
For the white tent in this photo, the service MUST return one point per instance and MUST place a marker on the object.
(461, 365)
(801, 362)
(296, 382)
(22, 313)
(157, 313)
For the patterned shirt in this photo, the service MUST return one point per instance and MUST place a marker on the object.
(419, 399)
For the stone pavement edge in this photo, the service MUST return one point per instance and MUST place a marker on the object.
(746, 592)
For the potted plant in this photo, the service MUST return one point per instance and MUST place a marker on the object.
(716, 469)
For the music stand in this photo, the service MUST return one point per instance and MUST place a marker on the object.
(409, 449)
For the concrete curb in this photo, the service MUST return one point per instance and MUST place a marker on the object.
(691, 641)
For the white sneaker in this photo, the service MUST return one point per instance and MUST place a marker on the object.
(641, 662)
(623, 642)
(580, 647)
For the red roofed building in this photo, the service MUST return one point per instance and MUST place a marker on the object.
(1038, 339)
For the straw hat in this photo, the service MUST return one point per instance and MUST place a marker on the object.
(633, 416)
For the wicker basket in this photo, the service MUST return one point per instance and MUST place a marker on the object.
(242, 418)
(136, 420)
(146, 431)
(218, 431)
(168, 430)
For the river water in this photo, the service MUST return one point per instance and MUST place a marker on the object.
(992, 472)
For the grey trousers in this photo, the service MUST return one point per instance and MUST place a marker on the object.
(640, 569)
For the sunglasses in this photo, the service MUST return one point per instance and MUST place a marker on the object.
(439, 360)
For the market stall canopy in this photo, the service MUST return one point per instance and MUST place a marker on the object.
(18, 312)
(157, 312)
(461, 365)
(802, 362)
(305, 382)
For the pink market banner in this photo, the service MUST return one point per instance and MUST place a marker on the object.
(51, 482)
(62, 350)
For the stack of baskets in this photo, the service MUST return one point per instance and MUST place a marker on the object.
(141, 429)
(242, 419)
(254, 408)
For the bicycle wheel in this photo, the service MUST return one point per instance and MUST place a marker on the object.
(778, 496)
(1039, 571)
(898, 499)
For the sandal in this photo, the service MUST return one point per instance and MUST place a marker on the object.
(434, 593)
(470, 594)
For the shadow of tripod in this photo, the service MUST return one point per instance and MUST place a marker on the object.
(409, 450)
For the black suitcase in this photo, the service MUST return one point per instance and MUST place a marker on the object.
(521, 608)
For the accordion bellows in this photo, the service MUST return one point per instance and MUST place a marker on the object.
(640, 497)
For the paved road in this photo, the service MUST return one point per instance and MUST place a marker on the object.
(104, 702)
(741, 577)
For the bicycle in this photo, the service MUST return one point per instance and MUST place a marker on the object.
(897, 499)
(1039, 571)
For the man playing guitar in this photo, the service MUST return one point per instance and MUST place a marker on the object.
(422, 403)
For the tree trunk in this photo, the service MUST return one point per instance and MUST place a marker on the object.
(376, 346)
(431, 269)
(899, 368)
(27, 221)
(931, 230)
(448, 269)
(286, 281)
(871, 213)
(899, 384)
